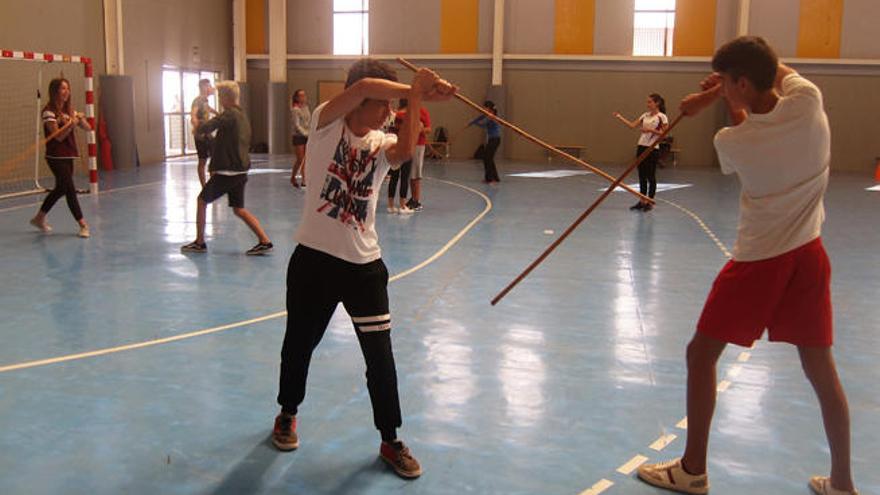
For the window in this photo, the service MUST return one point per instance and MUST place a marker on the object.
(653, 26)
(351, 23)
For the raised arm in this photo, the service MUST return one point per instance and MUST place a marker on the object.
(426, 86)
(354, 95)
(631, 124)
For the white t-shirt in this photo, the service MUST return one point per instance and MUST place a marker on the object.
(782, 160)
(651, 122)
(345, 175)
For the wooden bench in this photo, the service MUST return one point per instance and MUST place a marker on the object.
(575, 150)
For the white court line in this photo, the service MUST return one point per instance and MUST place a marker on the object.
(230, 326)
(734, 371)
(598, 488)
(108, 191)
(662, 442)
(631, 465)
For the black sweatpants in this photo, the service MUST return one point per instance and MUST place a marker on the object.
(648, 172)
(490, 171)
(62, 169)
(402, 175)
(316, 283)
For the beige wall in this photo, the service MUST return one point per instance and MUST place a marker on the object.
(164, 32)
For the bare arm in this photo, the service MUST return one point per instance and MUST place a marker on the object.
(631, 124)
(82, 122)
(354, 95)
(62, 131)
(426, 86)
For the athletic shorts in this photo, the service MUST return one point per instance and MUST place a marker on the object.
(789, 295)
(418, 161)
(299, 140)
(203, 148)
(218, 185)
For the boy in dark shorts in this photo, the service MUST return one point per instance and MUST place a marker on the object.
(338, 258)
(779, 278)
(229, 168)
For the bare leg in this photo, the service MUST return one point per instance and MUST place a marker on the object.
(201, 209)
(252, 222)
(300, 151)
(201, 170)
(818, 364)
(702, 355)
(416, 190)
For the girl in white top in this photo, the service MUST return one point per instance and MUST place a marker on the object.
(651, 125)
(300, 118)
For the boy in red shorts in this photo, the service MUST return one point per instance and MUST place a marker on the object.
(780, 147)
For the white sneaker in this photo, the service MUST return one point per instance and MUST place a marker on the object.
(821, 485)
(392, 210)
(42, 227)
(403, 210)
(84, 231)
(672, 476)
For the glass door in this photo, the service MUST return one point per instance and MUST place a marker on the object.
(179, 88)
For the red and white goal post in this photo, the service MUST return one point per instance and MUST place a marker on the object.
(22, 97)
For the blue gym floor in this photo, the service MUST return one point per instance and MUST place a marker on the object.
(556, 390)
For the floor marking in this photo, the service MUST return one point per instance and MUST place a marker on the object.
(734, 371)
(662, 442)
(683, 424)
(108, 191)
(598, 488)
(230, 326)
(550, 174)
(632, 465)
(702, 225)
(743, 357)
(723, 386)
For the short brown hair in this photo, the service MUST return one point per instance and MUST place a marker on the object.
(368, 67)
(750, 57)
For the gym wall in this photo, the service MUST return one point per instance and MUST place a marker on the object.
(569, 100)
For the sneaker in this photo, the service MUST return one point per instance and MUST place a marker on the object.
(637, 206)
(416, 206)
(821, 485)
(84, 232)
(401, 460)
(648, 207)
(284, 436)
(194, 247)
(41, 226)
(672, 476)
(403, 210)
(393, 210)
(260, 249)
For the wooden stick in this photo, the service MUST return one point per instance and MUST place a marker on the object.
(27, 151)
(529, 137)
(583, 216)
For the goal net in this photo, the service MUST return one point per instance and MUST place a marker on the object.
(24, 83)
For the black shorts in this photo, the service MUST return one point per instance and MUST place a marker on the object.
(218, 185)
(203, 148)
(300, 140)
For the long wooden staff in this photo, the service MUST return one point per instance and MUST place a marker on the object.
(529, 137)
(27, 151)
(583, 216)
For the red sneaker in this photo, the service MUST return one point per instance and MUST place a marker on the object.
(284, 435)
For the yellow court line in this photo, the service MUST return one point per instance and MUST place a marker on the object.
(279, 314)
